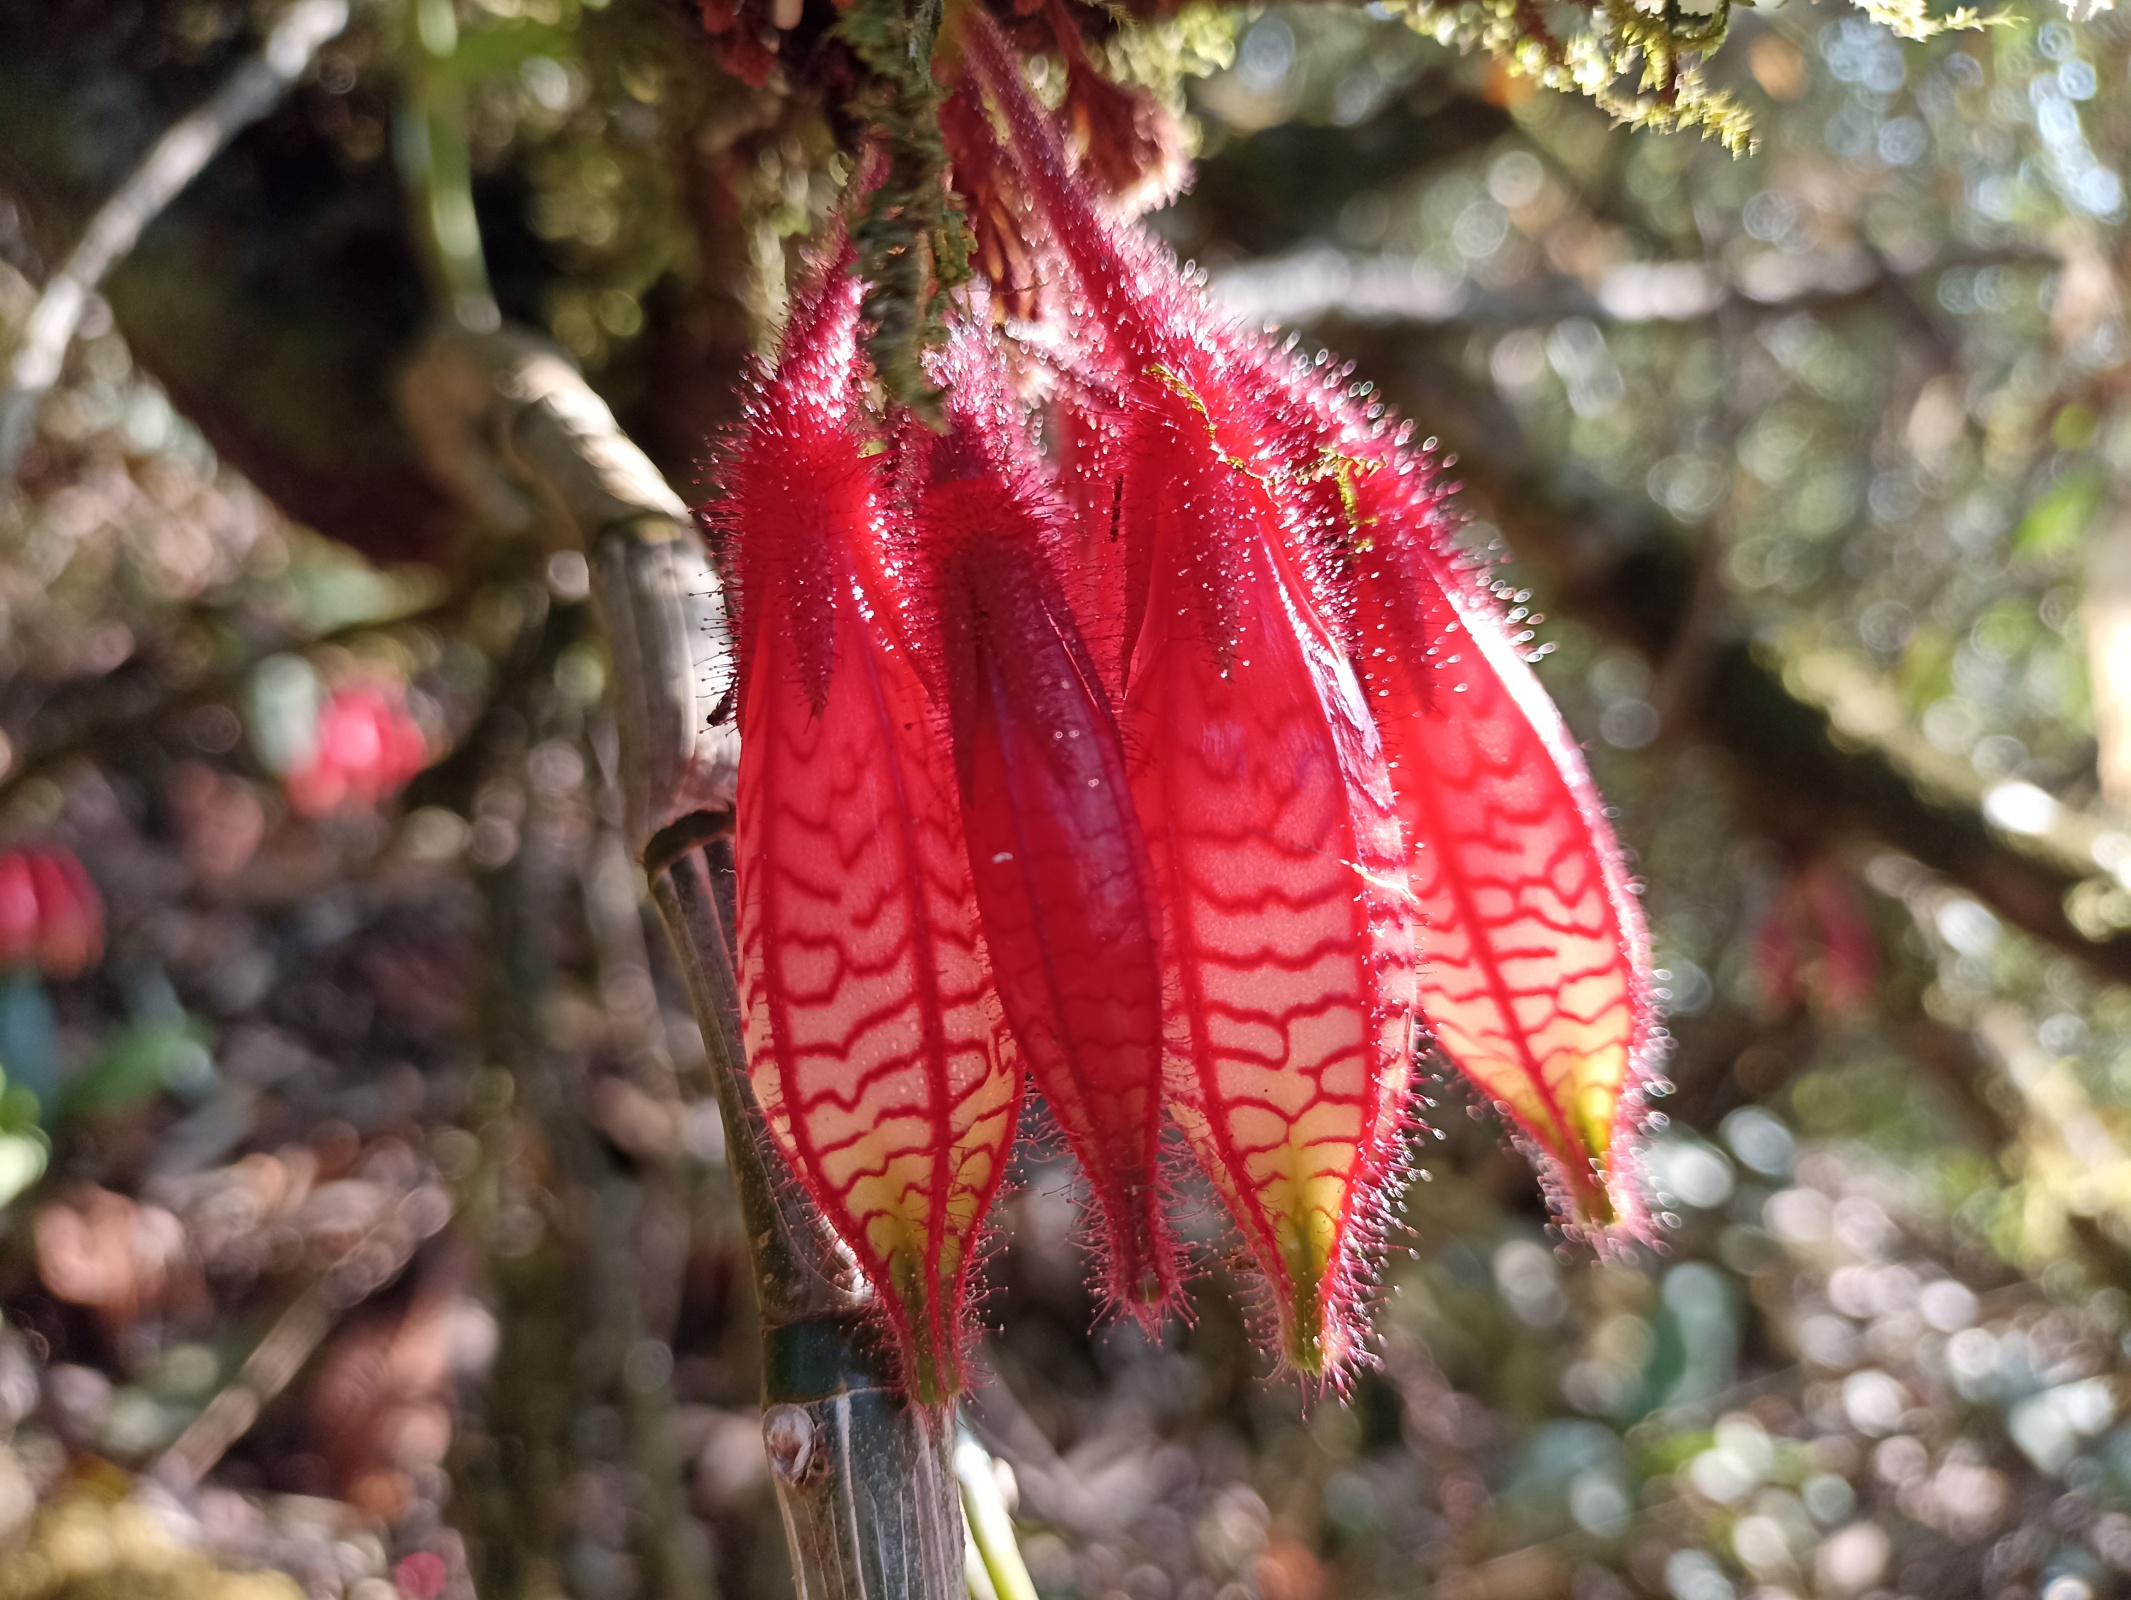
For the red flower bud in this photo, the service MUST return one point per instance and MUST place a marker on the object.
(1849, 970)
(51, 916)
(1261, 783)
(1817, 905)
(366, 747)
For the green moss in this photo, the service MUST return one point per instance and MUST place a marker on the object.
(913, 245)
(1642, 65)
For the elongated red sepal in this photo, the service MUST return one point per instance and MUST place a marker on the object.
(1061, 871)
(1536, 981)
(1288, 930)
(873, 1044)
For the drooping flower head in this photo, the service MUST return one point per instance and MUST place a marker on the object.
(1145, 761)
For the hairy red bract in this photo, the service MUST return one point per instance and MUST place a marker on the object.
(879, 1057)
(1061, 870)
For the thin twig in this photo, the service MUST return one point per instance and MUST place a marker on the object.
(289, 1343)
(265, 1373)
(436, 164)
(179, 156)
(1316, 283)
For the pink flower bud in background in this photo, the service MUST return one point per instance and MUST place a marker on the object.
(366, 749)
(51, 916)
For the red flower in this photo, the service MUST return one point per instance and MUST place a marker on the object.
(1817, 904)
(1062, 875)
(51, 916)
(1261, 784)
(365, 749)
(1259, 776)
(873, 1039)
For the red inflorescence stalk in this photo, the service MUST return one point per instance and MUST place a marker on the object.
(883, 1067)
(1061, 870)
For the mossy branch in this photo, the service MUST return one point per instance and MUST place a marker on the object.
(1657, 46)
(913, 245)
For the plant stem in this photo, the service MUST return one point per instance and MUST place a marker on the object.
(626, 1256)
(991, 1530)
(864, 1477)
(430, 144)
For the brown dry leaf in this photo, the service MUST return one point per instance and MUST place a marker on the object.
(1130, 144)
